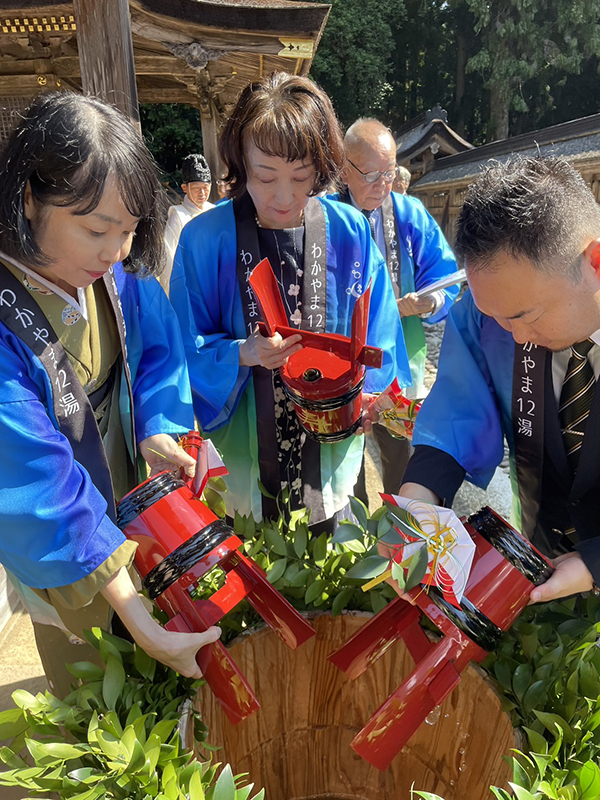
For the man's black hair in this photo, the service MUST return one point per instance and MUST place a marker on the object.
(539, 209)
(66, 147)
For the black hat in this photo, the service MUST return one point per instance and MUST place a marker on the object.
(195, 168)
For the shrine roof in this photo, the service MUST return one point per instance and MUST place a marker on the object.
(184, 49)
(576, 140)
(420, 132)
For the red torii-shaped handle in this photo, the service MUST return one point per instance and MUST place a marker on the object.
(354, 349)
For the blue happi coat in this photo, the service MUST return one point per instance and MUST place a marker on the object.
(425, 257)
(53, 524)
(206, 296)
(468, 410)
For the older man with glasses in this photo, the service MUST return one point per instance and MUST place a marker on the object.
(416, 253)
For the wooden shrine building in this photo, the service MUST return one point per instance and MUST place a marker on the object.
(199, 52)
(426, 138)
(443, 188)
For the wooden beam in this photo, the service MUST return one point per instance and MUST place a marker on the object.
(68, 66)
(176, 32)
(210, 123)
(30, 66)
(106, 52)
(26, 85)
(151, 95)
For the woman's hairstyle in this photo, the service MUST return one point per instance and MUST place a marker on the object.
(287, 116)
(66, 147)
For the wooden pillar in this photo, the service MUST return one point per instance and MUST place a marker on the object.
(106, 52)
(209, 117)
(427, 161)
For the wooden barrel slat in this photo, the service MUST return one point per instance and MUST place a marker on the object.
(298, 745)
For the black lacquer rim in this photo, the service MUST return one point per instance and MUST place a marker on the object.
(325, 405)
(140, 499)
(184, 557)
(469, 619)
(516, 550)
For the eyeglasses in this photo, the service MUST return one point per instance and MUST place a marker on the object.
(372, 177)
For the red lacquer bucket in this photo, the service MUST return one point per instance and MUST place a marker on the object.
(325, 379)
(179, 541)
(326, 393)
(505, 569)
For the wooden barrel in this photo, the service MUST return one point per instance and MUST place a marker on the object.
(297, 746)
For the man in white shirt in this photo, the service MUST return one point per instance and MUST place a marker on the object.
(196, 185)
(402, 180)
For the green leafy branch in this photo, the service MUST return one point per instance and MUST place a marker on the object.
(123, 725)
(324, 572)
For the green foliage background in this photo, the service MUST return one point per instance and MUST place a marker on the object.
(172, 131)
(396, 58)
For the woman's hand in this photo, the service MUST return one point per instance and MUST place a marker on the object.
(176, 650)
(412, 305)
(162, 452)
(179, 650)
(570, 577)
(269, 352)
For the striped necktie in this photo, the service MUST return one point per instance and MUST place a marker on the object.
(371, 220)
(576, 399)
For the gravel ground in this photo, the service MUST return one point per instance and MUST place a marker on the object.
(469, 498)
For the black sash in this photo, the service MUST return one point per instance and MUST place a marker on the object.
(21, 314)
(110, 285)
(314, 279)
(314, 318)
(528, 428)
(392, 243)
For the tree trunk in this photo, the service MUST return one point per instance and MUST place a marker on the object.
(498, 124)
(461, 62)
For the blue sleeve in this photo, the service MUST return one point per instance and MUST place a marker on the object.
(205, 296)
(161, 387)
(461, 415)
(53, 524)
(432, 256)
(385, 330)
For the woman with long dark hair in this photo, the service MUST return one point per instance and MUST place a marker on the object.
(91, 371)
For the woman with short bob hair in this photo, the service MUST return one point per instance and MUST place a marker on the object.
(83, 343)
(281, 146)
(284, 116)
